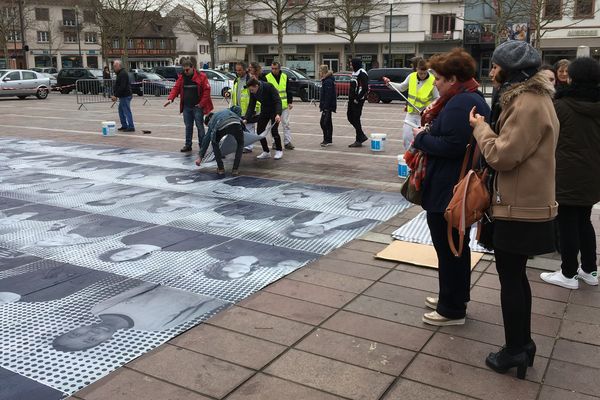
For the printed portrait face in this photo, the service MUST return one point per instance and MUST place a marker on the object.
(235, 268)
(133, 252)
(84, 337)
(6, 220)
(230, 221)
(9, 297)
(307, 231)
(70, 188)
(67, 239)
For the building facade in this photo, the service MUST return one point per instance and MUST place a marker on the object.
(417, 28)
(188, 44)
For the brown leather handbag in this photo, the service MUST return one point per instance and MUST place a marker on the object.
(469, 202)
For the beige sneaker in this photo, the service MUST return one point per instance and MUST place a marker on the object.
(433, 318)
(431, 302)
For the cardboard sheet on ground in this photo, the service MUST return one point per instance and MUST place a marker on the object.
(417, 254)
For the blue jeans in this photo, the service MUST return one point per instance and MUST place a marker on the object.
(193, 115)
(125, 112)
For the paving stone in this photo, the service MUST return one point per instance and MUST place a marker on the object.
(540, 306)
(473, 381)
(331, 280)
(360, 257)
(489, 280)
(229, 346)
(377, 237)
(366, 246)
(474, 353)
(261, 325)
(379, 330)
(282, 306)
(398, 294)
(416, 269)
(578, 353)
(353, 350)
(330, 375)
(550, 292)
(582, 379)
(576, 312)
(590, 298)
(125, 384)
(544, 263)
(581, 332)
(388, 310)
(415, 281)
(349, 268)
(410, 390)
(202, 373)
(266, 387)
(552, 393)
(309, 292)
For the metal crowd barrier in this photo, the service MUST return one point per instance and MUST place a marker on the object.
(90, 91)
(341, 90)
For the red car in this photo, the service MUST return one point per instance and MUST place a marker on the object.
(342, 83)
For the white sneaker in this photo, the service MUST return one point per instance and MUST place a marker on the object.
(278, 155)
(264, 155)
(557, 278)
(590, 279)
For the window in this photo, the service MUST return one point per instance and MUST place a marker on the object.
(91, 37)
(149, 43)
(552, 9)
(68, 17)
(14, 76)
(441, 25)
(203, 49)
(42, 14)
(326, 25)
(162, 44)
(116, 44)
(70, 37)
(130, 44)
(235, 28)
(262, 26)
(360, 24)
(584, 9)
(29, 75)
(296, 26)
(399, 23)
(43, 36)
(89, 16)
(14, 36)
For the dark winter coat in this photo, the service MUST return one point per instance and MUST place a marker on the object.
(578, 148)
(122, 86)
(445, 146)
(270, 102)
(328, 99)
(359, 86)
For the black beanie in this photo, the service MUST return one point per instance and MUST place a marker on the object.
(516, 55)
(585, 70)
(356, 64)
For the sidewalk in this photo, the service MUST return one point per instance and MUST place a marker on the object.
(348, 326)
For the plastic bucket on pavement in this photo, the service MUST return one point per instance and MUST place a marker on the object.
(378, 141)
(402, 167)
(109, 128)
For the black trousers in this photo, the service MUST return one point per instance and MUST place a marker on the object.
(515, 297)
(261, 124)
(577, 235)
(354, 113)
(327, 126)
(237, 132)
(454, 272)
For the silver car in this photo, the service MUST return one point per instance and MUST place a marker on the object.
(23, 83)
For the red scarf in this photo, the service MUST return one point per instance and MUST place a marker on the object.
(459, 87)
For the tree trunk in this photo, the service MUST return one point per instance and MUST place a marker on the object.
(352, 47)
(280, 38)
(213, 51)
(125, 52)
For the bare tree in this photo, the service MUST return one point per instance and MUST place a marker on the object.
(15, 18)
(277, 12)
(350, 17)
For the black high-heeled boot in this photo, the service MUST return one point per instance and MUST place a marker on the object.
(502, 361)
(530, 349)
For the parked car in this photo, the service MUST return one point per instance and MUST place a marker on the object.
(170, 72)
(22, 83)
(52, 79)
(342, 82)
(67, 78)
(149, 83)
(301, 85)
(219, 82)
(378, 91)
(46, 70)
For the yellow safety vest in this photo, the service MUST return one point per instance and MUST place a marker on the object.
(244, 99)
(424, 96)
(281, 87)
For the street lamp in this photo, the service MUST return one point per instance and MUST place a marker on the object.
(390, 37)
(78, 39)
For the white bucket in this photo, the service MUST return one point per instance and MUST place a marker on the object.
(402, 167)
(109, 128)
(378, 141)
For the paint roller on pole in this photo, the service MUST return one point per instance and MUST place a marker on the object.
(420, 110)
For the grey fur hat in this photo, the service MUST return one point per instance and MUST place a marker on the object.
(516, 55)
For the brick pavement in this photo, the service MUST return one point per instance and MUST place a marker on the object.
(346, 326)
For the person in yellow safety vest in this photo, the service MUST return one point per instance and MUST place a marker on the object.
(421, 93)
(240, 96)
(280, 80)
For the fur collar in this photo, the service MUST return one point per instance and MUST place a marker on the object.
(537, 84)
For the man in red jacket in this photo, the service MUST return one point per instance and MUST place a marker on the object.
(194, 91)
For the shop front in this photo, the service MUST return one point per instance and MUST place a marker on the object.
(401, 54)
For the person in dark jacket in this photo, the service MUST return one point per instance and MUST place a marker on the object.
(220, 124)
(270, 111)
(194, 90)
(327, 104)
(359, 86)
(577, 171)
(122, 91)
(444, 141)
(106, 81)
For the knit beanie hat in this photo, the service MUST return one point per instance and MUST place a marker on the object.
(356, 64)
(516, 55)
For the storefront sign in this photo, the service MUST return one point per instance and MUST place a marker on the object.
(581, 32)
(287, 49)
(403, 48)
(472, 33)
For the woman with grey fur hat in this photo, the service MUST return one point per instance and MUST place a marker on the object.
(519, 145)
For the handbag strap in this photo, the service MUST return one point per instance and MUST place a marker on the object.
(476, 155)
